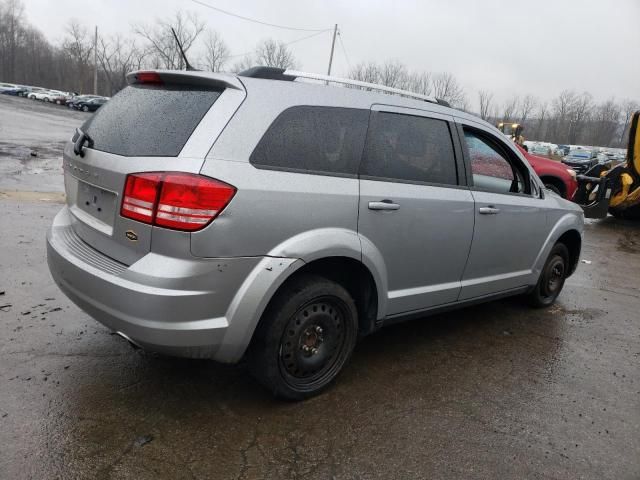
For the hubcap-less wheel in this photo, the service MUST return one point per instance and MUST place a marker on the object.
(553, 277)
(312, 343)
(85, 109)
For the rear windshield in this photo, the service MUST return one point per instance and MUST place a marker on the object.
(149, 121)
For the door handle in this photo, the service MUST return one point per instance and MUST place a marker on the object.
(490, 210)
(383, 205)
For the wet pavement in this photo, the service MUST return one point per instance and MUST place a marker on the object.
(493, 391)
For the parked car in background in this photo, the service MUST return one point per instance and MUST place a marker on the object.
(280, 221)
(581, 159)
(539, 149)
(71, 103)
(563, 150)
(13, 91)
(39, 94)
(90, 105)
(28, 90)
(555, 176)
(4, 87)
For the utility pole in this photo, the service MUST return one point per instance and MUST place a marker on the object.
(95, 63)
(333, 45)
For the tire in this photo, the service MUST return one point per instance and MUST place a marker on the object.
(85, 109)
(304, 339)
(46, 100)
(551, 278)
(553, 188)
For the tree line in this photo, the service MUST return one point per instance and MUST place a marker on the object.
(28, 57)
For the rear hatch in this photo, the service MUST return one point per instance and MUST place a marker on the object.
(163, 121)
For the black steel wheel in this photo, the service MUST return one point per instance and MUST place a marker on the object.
(305, 338)
(551, 278)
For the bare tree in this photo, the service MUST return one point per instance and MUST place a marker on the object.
(274, 54)
(527, 105)
(420, 83)
(161, 45)
(11, 23)
(604, 123)
(117, 56)
(541, 125)
(562, 107)
(628, 107)
(446, 87)
(509, 109)
(485, 98)
(216, 51)
(78, 46)
(579, 115)
(365, 72)
(393, 74)
(244, 63)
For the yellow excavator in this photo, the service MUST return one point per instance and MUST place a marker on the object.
(513, 131)
(616, 190)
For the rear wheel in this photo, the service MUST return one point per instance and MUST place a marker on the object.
(305, 338)
(552, 277)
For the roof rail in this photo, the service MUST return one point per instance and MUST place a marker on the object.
(268, 73)
(358, 83)
(275, 73)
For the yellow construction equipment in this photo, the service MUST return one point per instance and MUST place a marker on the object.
(615, 190)
(512, 130)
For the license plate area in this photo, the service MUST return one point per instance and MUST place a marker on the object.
(95, 206)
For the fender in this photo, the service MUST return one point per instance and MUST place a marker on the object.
(339, 242)
(284, 260)
(568, 221)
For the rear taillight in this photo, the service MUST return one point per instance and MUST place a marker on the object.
(181, 201)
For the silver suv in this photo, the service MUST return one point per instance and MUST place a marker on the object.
(267, 217)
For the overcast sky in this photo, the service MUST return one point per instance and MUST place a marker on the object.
(509, 47)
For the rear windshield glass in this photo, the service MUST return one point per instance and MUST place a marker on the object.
(144, 120)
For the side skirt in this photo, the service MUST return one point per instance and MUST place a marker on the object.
(414, 314)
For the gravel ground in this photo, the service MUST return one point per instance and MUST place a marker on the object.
(493, 391)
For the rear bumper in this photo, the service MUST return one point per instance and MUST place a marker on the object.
(171, 305)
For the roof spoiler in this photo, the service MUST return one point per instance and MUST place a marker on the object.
(190, 78)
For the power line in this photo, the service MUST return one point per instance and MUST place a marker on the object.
(257, 21)
(285, 44)
(344, 50)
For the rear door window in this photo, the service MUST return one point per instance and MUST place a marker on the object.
(409, 148)
(314, 139)
(145, 120)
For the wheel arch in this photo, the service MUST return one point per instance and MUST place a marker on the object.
(568, 228)
(556, 182)
(573, 241)
(334, 253)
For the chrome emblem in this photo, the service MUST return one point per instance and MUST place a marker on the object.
(131, 235)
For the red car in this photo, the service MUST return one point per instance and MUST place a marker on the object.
(555, 175)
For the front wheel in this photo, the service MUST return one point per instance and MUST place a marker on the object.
(552, 277)
(85, 109)
(305, 338)
(553, 188)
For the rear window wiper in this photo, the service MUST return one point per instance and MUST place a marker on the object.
(81, 139)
